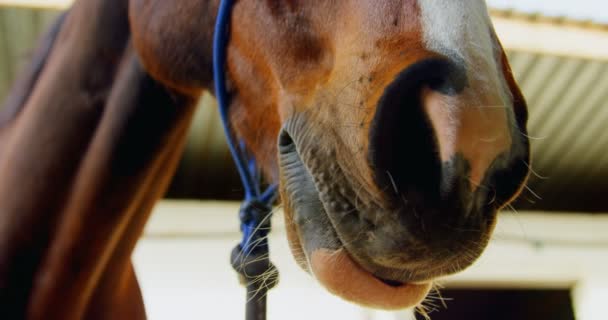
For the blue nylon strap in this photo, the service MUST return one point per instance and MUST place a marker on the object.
(250, 258)
(246, 167)
(220, 42)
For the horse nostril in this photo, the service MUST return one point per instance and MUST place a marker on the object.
(403, 145)
(285, 140)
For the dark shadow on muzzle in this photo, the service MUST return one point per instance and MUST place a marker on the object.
(403, 147)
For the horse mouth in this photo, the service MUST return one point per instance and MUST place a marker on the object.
(316, 211)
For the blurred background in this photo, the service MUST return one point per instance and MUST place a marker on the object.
(548, 259)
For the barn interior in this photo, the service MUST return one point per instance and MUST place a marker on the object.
(549, 255)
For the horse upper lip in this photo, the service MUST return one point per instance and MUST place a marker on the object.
(309, 210)
(316, 230)
(318, 198)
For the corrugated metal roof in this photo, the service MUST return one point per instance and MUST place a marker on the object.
(19, 28)
(568, 118)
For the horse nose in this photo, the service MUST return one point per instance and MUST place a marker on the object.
(440, 139)
(403, 144)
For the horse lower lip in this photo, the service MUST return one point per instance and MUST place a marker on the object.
(339, 274)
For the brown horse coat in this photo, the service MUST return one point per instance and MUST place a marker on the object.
(401, 133)
(89, 142)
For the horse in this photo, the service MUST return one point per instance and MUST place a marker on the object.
(394, 129)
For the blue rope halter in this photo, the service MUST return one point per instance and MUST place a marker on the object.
(250, 258)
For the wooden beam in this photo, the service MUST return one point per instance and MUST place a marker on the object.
(528, 249)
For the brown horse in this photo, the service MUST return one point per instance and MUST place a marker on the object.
(394, 127)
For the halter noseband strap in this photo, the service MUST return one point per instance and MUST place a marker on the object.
(250, 258)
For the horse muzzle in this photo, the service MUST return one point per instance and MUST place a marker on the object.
(316, 242)
(433, 211)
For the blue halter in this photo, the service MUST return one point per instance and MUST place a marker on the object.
(250, 258)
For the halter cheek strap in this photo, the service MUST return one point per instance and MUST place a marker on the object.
(250, 258)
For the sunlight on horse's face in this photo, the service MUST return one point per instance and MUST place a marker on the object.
(401, 133)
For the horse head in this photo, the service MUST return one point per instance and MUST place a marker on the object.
(395, 129)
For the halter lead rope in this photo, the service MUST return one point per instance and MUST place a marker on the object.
(250, 258)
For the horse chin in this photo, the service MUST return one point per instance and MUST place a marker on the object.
(318, 248)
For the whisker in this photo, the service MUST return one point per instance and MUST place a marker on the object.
(529, 136)
(536, 174)
(532, 192)
(390, 176)
(516, 213)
